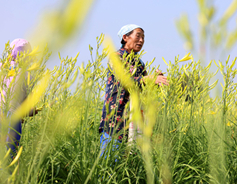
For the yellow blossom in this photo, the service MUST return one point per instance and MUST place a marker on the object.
(17, 157)
(11, 73)
(35, 66)
(186, 57)
(34, 51)
(229, 124)
(213, 112)
(172, 130)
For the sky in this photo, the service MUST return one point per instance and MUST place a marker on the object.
(157, 17)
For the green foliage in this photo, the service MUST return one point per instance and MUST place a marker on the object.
(193, 136)
(188, 137)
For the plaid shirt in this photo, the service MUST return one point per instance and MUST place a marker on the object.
(116, 97)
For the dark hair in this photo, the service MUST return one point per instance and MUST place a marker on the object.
(128, 34)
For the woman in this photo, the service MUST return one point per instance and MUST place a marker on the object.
(116, 97)
(14, 90)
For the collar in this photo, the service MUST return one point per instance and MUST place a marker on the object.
(122, 51)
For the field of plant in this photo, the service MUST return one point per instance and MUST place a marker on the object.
(188, 136)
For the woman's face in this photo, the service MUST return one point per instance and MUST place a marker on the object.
(134, 41)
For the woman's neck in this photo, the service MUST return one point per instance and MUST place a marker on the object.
(128, 50)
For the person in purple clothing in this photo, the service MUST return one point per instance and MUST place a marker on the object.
(116, 97)
(14, 92)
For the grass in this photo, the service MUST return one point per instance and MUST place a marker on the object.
(193, 139)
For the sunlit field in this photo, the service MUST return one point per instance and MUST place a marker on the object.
(188, 136)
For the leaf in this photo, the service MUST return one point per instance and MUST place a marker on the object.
(34, 51)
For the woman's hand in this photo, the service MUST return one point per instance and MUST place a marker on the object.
(160, 79)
